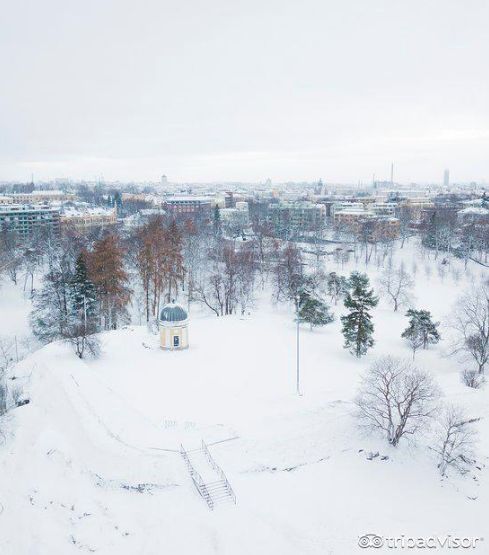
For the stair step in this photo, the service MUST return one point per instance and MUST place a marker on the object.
(218, 492)
(201, 466)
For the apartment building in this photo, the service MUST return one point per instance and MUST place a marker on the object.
(89, 217)
(289, 218)
(189, 207)
(381, 227)
(41, 197)
(27, 219)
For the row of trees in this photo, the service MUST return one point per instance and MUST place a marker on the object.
(156, 255)
(90, 282)
(157, 261)
(468, 239)
(309, 291)
(469, 322)
(83, 292)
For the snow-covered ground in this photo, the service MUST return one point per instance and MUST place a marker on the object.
(92, 463)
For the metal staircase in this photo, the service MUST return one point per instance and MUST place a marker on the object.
(208, 477)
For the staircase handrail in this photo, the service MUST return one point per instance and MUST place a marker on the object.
(219, 470)
(197, 479)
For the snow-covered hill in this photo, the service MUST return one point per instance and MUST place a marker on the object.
(92, 463)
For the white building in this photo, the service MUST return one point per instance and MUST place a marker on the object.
(173, 325)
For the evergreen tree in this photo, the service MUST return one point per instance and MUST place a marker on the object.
(217, 221)
(65, 307)
(358, 280)
(83, 316)
(313, 311)
(83, 294)
(422, 331)
(485, 200)
(117, 201)
(357, 325)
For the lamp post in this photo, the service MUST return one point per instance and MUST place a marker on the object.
(297, 303)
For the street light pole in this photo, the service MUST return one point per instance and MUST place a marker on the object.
(297, 302)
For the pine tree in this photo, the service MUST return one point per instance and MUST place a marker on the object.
(359, 280)
(357, 325)
(313, 311)
(65, 307)
(422, 331)
(117, 202)
(83, 320)
(485, 200)
(83, 293)
(217, 221)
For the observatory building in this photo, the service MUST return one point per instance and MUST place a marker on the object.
(173, 324)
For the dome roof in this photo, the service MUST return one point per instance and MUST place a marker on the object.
(173, 313)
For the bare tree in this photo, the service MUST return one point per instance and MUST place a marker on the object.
(337, 286)
(83, 340)
(246, 278)
(10, 254)
(396, 398)
(228, 280)
(397, 285)
(471, 324)
(7, 360)
(156, 253)
(472, 378)
(367, 235)
(107, 271)
(194, 250)
(406, 217)
(262, 231)
(454, 441)
(288, 273)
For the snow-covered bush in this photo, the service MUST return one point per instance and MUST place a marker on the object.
(472, 378)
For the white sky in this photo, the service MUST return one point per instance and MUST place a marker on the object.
(245, 89)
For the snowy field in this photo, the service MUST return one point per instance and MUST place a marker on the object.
(92, 463)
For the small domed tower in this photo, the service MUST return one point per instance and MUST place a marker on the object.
(173, 324)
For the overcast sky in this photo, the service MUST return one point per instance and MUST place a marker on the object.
(244, 89)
